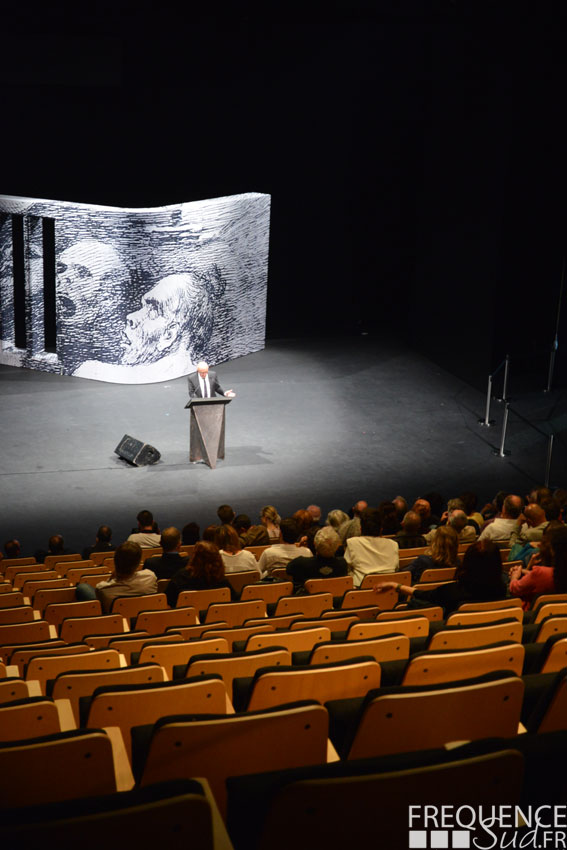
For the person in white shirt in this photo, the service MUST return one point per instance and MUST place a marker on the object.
(280, 554)
(234, 558)
(148, 535)
(502, 527)
(370, 553)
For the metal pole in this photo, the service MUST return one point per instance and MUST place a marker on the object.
(487, 421)
(555, 345)
(505, 384)
(503, 452)
(549, 456)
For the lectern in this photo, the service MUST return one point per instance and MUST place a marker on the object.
(206, 434)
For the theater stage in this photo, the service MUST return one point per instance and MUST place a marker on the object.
(314, 421)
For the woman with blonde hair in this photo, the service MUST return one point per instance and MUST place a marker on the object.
(270, 518)
(441, 552)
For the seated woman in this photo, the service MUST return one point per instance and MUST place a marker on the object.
(270, 518)
(324, 564)
(547, 569)
(441, 553)
(234, 557)
(204, 572)
(478, 579)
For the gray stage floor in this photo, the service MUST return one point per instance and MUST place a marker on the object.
(314, 421)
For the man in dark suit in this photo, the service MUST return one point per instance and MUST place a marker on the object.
(204, 383)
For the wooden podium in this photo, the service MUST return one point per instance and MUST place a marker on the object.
(206, 432)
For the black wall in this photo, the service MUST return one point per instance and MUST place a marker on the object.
(413, 150)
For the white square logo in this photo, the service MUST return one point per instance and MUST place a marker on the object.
(417, 839)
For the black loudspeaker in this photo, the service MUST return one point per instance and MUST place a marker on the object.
(136, 452)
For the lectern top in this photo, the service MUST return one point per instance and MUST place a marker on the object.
(198, 402)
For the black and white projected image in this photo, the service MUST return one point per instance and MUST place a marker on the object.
(141, 295)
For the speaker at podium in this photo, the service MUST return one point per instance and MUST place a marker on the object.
(206, 431)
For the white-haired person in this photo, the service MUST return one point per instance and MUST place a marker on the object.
(324, 564)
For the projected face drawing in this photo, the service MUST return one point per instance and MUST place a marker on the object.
(164, 324)
(90, 280)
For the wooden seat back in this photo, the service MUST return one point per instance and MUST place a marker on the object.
(235, 613)
(341, 681)
(146, 704)
(56, 612)
(411, 627)
(170, 655)
(255, 743)
(372, 579)
(300, 640)
(463, 638)
(312, 605)
(157, 622)
(74, 629)
(270, 593)
(45, 667)
(337, 586)
(66, 778)
(432, 668)
(391, 648)
(238, 665)
(471, 618)
(130, 606)
(201, 599)
(396, 723)
(72, 685)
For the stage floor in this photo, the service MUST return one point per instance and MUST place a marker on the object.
(314, 421)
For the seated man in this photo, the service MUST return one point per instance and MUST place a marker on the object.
(323, 564)
(409, 537)
(56, 546)
(147, 536)
(127, 580)
(166, 565)
(102, 542)
(370, 553)
(280, 554)
(502, 527)
(250, 535)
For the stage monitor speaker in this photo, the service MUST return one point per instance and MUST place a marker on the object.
(136, 452)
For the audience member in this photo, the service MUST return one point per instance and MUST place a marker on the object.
(12, 549)
(493, 509)
(102, 542)
(409, 537)
(441, 552)
(388, 518)
(280, 554)
(225, 514)
(353, 527)
(190, 534)
(172, 559)
(324, 564)
(270, 518)
(209, 533)
(401, 507)
(338, 520)
(55, 546)
(127, 579)
(234, 557)
(530, 526)
(470, 502)
(466, 530)
(428, 520)
(205, 571)
(547, 570)
(478, 579)
(502, 527)
(436, 503)
(315, 512)
(250, 535)
(147, 536)
(370, 553)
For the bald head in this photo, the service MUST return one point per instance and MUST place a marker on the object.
(359, 507)
(534, 515)
(512, 507)
(457, 520)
